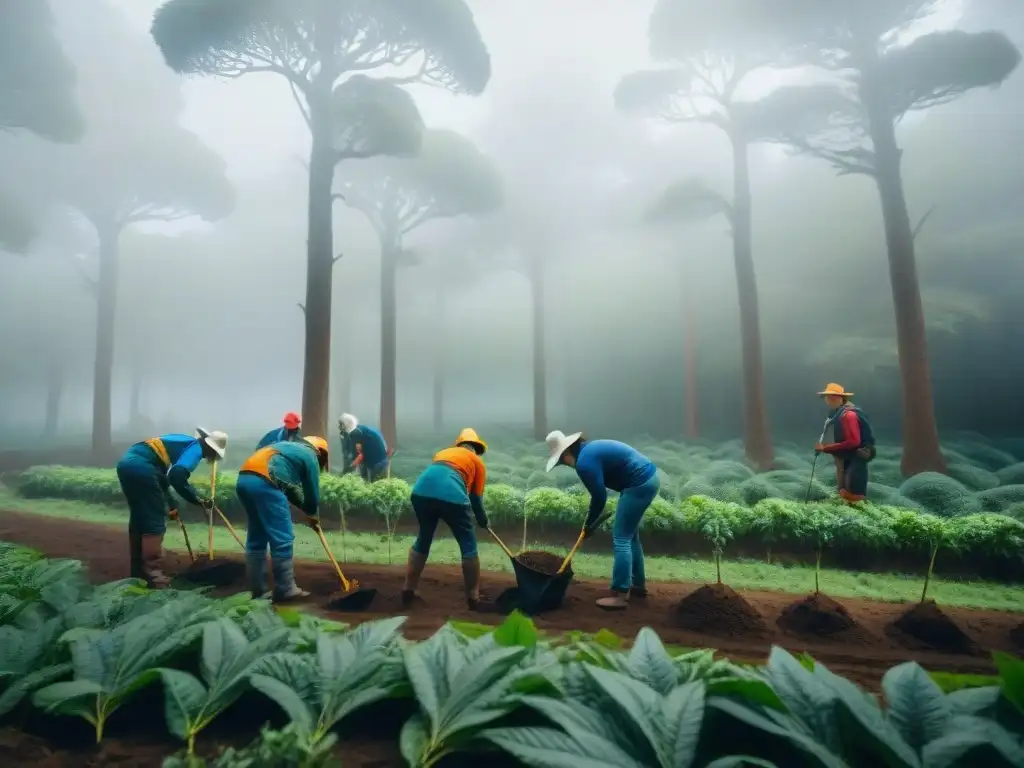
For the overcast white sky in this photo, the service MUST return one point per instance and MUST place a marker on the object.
(254, 124)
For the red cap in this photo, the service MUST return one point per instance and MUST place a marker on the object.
(291, 420)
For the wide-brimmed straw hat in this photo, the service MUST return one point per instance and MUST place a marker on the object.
(216, 440)
(469, 435)
(835, 390)
(558, 442)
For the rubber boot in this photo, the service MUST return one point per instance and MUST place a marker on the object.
(152, 561)
(285, 587)
(256, 575)
(638, 593)
(471, 580)
(413, 570)
(136, 570)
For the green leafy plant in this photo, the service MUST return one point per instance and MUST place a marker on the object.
(821, 525)
(715, 527)
(938, 533)
(390, 497)
(228, 658)
(289, 747)
(111, 665)
(346, 673)
(461, 686)
(29, 659)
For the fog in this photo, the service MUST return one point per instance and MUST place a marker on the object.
(197, 187)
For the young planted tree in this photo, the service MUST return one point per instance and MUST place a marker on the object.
(712, 55)
(37, 95)
(322, 49)
(449, 178)
(850, 122)
(939, 533)
(821, 525)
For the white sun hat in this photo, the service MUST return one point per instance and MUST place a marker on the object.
(349, 422)
(216, 440)
(558, 442)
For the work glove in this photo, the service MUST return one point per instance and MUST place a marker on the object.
(172, 514)
(313, 522)
(589, 528)
(482, 521)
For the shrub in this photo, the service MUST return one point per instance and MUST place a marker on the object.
(939, 494)
(973, 478)
(1011, 475)
(1001, 498)
(985, 455)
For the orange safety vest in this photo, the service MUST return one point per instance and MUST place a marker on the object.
(160, 450)
(259, 462)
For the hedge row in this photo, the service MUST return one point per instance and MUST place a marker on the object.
(774, 523)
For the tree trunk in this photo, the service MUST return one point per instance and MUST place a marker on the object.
(690, 405)
(921, 449)
(440, 335)
(540, 378)
(757, 437)
(103, 369)
(54, 393)
(134, 410)
(343, 372)
(316, 375)
(388, 339)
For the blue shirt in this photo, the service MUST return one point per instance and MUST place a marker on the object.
(609, 464)
(295, 468)
(279, 435)
(185, 452)
(375, 450)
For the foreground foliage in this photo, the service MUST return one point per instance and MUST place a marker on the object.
(81, 651)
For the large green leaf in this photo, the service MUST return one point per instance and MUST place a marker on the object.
(972, 741)
(917, 707)
(1011, 678)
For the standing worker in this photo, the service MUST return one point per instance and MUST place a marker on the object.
(853, 443)
(371, 452)
(609, 464)
(450, 489)
(268, 482)
(147, 472)
(289, 433)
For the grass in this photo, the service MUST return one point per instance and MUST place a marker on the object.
(746, 574)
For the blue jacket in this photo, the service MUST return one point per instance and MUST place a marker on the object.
(279, 435)
(609, 464)
(375, 450)
(181, 455)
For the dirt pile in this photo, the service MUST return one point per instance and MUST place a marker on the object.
(925, 625)
(214, 573)
(717, 609)
(821, 617)
(546, 563)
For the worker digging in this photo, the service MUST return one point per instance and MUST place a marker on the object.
(603, 465)
(288, 433)
(364, 449)
(451, 490)
(269, 481)
(853, 443)
(147, 472)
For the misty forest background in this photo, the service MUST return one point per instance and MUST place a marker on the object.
(572, 259)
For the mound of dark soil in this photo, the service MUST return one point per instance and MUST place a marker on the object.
(822, 617)
(717, 609)
(546, 563)
(214, 573)
(927, 625)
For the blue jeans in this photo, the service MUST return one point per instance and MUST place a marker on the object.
(269, 515)
(378, 471)
(628, 560)
(141, 484)
(458, 517)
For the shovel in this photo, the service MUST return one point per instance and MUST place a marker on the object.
(188, 544)
(352, 598)
(214, 574)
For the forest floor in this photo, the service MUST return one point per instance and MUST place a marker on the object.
(742, 626)
(373, 549)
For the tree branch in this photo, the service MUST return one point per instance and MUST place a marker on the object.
(337, 258)
(301, 306)
(338, 197)
(303, 109)
(921, 222)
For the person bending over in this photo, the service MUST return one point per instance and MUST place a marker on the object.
(451, 489)
(371, 452)
(147, 472)
(289, 433)
(603, 465)
(270, 481)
